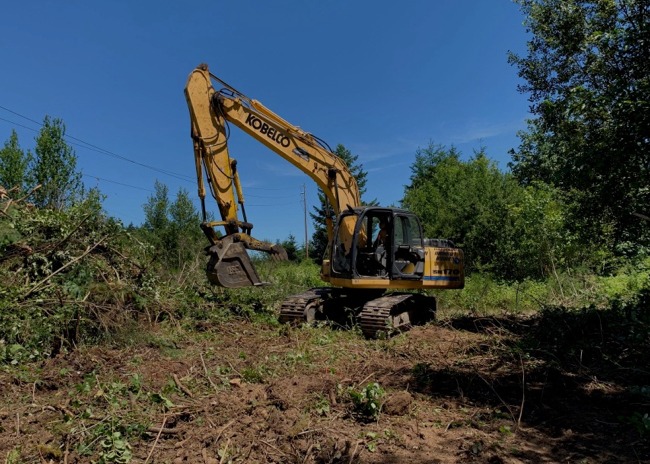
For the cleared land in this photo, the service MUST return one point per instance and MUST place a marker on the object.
(556, 387)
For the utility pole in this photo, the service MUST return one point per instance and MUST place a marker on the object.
(304, 202)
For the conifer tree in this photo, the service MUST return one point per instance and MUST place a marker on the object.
(54, 168)
(13, 164)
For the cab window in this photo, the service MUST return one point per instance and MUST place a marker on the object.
(407, 231)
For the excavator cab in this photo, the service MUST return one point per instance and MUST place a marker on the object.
(378, 243)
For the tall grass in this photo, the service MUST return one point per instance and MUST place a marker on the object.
(485, 295)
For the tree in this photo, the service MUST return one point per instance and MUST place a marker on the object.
(294, 251)
(13, 164)
(54, 168)
(156, 220)
(183, 214)
(536, 241)
(319, 240)
(184, 232)
(511, 231)
(156, 209)
(465, 201)
(587, 74)
(173, 227)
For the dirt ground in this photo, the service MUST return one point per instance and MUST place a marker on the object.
(484, 390)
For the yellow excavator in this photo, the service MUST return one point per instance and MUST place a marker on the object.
(371, 249)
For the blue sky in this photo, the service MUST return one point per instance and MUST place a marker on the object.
(382, 78)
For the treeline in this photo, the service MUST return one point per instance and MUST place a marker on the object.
(48, 174)
(48, 178)
(506, 229)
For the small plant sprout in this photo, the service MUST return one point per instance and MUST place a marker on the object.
(367, 402)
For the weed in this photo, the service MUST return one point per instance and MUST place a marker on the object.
(322, 406)
(295, 358)
(112, 439)
(323, 340)
(115, 449)
(13, 457)
(224, 454)
(367, 402)
(49, 452)
(255, 374)
(87, 384)
(423, 375)
(223, 373)
(113, 393)
(371, 440)
(390, 435)
(165, 402)
(135, 384)
(505, 430)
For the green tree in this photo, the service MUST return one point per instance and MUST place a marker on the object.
(173, 227)
(587, 75)
(536, 241)
(55, 168)
(13, 164)
(156, 210)
(465, 201)
(511, 231)
(318, 243)
(156, 222)
(184, 232)
(294, 251)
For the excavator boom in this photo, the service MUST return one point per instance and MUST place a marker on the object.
(211, 113)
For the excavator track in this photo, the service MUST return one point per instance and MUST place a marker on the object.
(396, 312)
(293, 309)
(387, 314)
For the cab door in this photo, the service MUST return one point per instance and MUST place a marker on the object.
(407, 247)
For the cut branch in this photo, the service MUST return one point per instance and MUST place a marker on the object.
(70, 263)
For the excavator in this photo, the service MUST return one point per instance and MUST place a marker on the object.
(378, 263)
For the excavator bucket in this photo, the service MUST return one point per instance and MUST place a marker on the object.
(231, 267)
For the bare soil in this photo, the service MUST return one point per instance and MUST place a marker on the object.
(484, 390)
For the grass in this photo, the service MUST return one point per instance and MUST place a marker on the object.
(484, 295)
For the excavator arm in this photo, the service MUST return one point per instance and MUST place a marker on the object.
(211, 113)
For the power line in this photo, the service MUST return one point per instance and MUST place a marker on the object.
(293, 203)
(17, 124)
(91, 147)
(103, 151)
(268, 197)
(117, 183)
(266, 188)
(22, 116)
